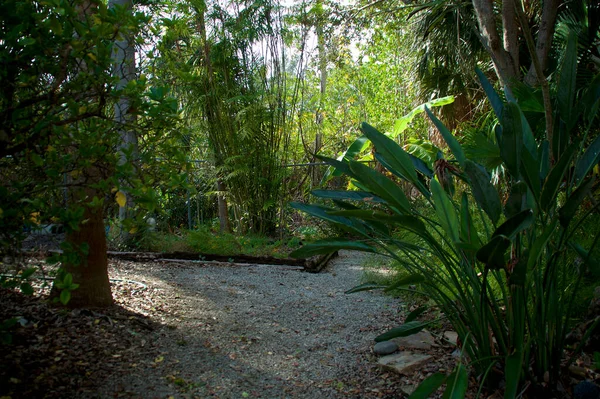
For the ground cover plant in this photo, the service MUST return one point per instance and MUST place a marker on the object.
(507, 288)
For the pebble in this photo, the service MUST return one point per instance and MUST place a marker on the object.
(385, 348)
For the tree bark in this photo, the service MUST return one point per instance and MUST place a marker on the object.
(125, 71)
(504, 65)
(319, 24)
(544, 39)
(92, 273)
(223, 210)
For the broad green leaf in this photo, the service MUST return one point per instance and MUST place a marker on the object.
(321, 212)
(468, 232)
(412, 316)
(530, 170)
(358, 146)
(453, 144)
(418, 183)
(404, 330)
(512, 372)
(421, 166)
(323, 247)
(395, 156)
(588, 160)
(381, 186)
(457, 383)
(65, 297)
(402, 123)
(516, 200)
(492, 95)
(484, 191)
(28, 272)
(514, 225)
(445, 210)
(365, 287)
(347, 195)
(539, 244)
(512, 138)
(591, 262)
(492, 253)
(569, 209)
(26, 288)
(555, 177)
(428, 386)
(68, 280)
(404, 281)
(339, 165)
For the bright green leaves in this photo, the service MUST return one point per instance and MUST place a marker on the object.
(381, 186)
(66, 285)
(404, 330)
(328, 246)
(445, 211)
(511, 143)
(454, 145)
(484, 191)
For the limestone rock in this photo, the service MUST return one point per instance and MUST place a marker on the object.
(421, 340)
(403, 362)
(385, 348)
(451, 337)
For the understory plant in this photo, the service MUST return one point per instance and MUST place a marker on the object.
(502, 264)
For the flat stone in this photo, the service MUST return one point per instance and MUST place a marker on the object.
(421, 340)
(403, 362)
(385, 348)
(451, 336)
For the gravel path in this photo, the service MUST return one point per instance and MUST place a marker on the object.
(256, 331)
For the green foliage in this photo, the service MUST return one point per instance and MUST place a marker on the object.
(505, 278)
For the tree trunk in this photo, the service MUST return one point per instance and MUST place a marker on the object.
(92, 273)
(505, 66)
(125, 70)
(320, 22)
(544, 39)
(223, 211)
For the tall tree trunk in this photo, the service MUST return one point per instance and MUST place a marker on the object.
(125, 71)
(223, 210)
(544, 39)
(92, 272)
(320, 22)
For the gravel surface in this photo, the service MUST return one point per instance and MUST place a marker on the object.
(237, 331)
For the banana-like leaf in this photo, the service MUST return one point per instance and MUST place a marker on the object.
(323, 247)
(453, 144)
(365, 287)
(421, 166)
(530, 170)
(544, 157)
(321, 212)
(418, 184)
(468, 232)
(457, 383)
(339, 165)
(514, 225)
(484, 191)
(493, 97)
(516, 200)
(429, 386)
(588, 160)
(362, 196)
(539, 244)
(358, 146)
(395, 156)
(412, 316)
(556, 176)
(401, 124)
(568, 210)
(591, 262)
(445, 211)
(381, 186)
(512, 372)
(512, 138)
(404, 281)
(492, 253)
(404, 330)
